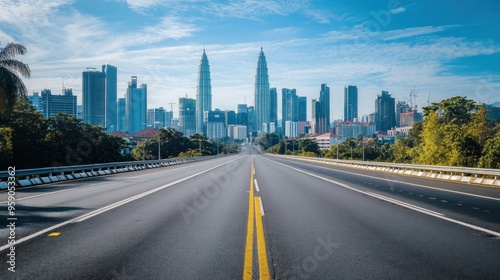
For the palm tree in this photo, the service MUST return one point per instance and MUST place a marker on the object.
(11, 85)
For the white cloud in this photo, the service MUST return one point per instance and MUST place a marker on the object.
(398, 10)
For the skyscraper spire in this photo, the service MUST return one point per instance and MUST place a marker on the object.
(262, 95)
(204, 92)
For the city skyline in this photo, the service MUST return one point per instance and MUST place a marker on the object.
(395, 46)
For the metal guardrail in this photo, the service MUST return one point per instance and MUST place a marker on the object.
(482, 176)
(58, 172)
(403, 166)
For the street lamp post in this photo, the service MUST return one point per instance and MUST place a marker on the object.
(337, 146)
(159, 140)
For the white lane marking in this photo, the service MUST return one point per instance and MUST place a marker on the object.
(111, 206)
(404, 204)
(406, 183)
(92, 185)
(256, 185)
(261, 207)
(424, 211)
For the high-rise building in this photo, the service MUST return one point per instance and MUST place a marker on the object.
(385, 112)
(262, 96)
(324, 99)
(216, 124)
(156, 118)
(53, 104)
(36, 101)
(289, 106)
(204, 93)
(320, 122)
(273, 117)
(302, 109)
(111, 113)
(350, 103)
(187, 116)
(169, 116)
(121, 115)
(242, 115)
(230, 116)
(94, 97)
(136, 106)
(251, 119)
(291, 129)
(401, 107)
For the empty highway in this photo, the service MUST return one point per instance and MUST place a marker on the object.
(253, 216)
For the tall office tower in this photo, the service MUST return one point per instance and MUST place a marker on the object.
(93, 94)
(216, 124)
(53, 104)
(350, 103)
(242, 115)
(251, 119)
(320, 122)
(36, 101)
(289, 106)
(401, 108)
(121, 115)
(262, 96)
(273, 117)
(385, 112)
(302, 109)
(187, 116)
(136, 106)
(156, 117)
(315, 116)
(203, 94)
(302, 115)
(230, 117)
(169, 116)
(110, 112)
(324, 100)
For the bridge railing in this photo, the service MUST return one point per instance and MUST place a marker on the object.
(35, 176)
(482, 176)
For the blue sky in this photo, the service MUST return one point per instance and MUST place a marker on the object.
(438, 48)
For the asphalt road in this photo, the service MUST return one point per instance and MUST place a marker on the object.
(252, 216)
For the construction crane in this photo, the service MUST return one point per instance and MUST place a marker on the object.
(429, 98)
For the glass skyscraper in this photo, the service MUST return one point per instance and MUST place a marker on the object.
(187, 116)
(136, 106)
(111, 113)
(350, 103)
(262, 96)
(204, 93)
(94, 93)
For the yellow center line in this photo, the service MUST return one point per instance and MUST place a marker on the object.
(255, 215)
(247, 267)
(261, 243)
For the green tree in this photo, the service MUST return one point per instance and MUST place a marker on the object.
(455, 110)
(74, 142)
(5, 147)
(29, 129)
(308, 145)
(202, 145)
(434, 148)
(268, 140)
(491, 151)
(11, 85)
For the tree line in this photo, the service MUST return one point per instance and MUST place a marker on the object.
(454, 132)
(28, 140)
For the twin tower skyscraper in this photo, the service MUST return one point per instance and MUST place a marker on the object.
(262, 95)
